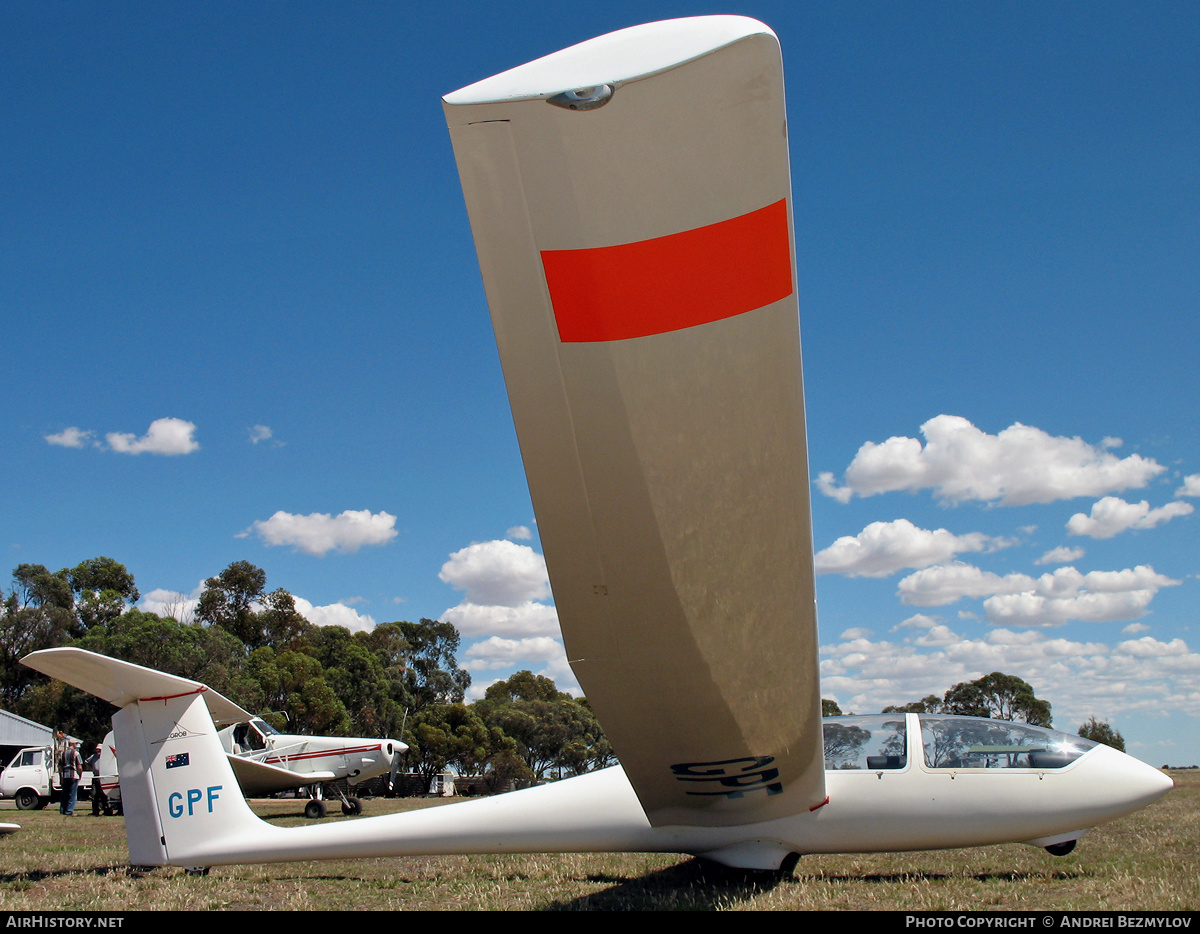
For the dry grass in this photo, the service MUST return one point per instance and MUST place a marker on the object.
(1145, 862)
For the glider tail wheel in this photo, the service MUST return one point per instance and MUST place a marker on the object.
(1061, 849)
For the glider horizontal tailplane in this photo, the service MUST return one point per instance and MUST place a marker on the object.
(120, 683)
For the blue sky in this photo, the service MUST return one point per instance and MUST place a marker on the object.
(243, 320)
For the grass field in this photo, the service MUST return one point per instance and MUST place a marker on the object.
(1145, 862)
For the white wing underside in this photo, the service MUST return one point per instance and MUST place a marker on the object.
(664, 445)
(121, 683)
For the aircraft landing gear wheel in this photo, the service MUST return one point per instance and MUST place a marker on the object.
(196, 870)
(28, 800)
(352, 807)
(1061, 849)
(315, 809)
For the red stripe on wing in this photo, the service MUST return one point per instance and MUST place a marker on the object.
(669, 283)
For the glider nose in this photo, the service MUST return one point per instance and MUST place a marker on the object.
(1157, 783)
(1131, 783)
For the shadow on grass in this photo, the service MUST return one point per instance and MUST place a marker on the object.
(892, 878)
(282, 815)
(694, 885)
(42, 875)
(699, 885)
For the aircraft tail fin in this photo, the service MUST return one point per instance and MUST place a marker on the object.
(178, 790)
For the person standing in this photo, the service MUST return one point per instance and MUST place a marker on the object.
(70, 768)
(99, 798)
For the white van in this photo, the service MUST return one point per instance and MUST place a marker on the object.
(33, 782)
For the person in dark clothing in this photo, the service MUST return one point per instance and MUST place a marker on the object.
(99, 798)
(70, 768)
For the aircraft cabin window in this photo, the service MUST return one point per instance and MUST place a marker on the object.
(254, 736)
(873, 743)
(972, 743)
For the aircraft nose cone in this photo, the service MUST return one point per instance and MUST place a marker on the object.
(1158, 783)
(1136, 782)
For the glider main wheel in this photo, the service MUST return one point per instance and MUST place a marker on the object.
(28, 800)
(352, 807)
(1061, 849)
(315, 809)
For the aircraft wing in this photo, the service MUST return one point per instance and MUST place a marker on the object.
(630, 200)
(258, 778)
(121, 683)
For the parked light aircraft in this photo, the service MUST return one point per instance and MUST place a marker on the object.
(265, 761)
(630, 201)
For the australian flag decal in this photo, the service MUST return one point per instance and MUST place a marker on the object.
(177, 761)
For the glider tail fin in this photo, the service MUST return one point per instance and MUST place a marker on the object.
(179, 793)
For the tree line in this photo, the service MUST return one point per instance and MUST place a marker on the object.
(400, 680)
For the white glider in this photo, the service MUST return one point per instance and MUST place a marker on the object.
(630, 201)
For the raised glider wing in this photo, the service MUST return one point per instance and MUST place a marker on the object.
(263, 760)
(630, 201)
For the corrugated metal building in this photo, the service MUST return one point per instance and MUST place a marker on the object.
(17, 732)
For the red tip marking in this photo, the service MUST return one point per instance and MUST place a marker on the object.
(821, 805)
(669, 283)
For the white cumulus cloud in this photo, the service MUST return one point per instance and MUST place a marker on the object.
(498, 652)
(319, 533)
(1112, 515)
(1018, 466)
(883, 548)
(1191, 484)
(70, 438)
(1061, 555)
(172, 603)
(497, 573)
(526, 619)
(335, 614)
(166, 436)
(947, 583)
(1050, 600)
(505, 585)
